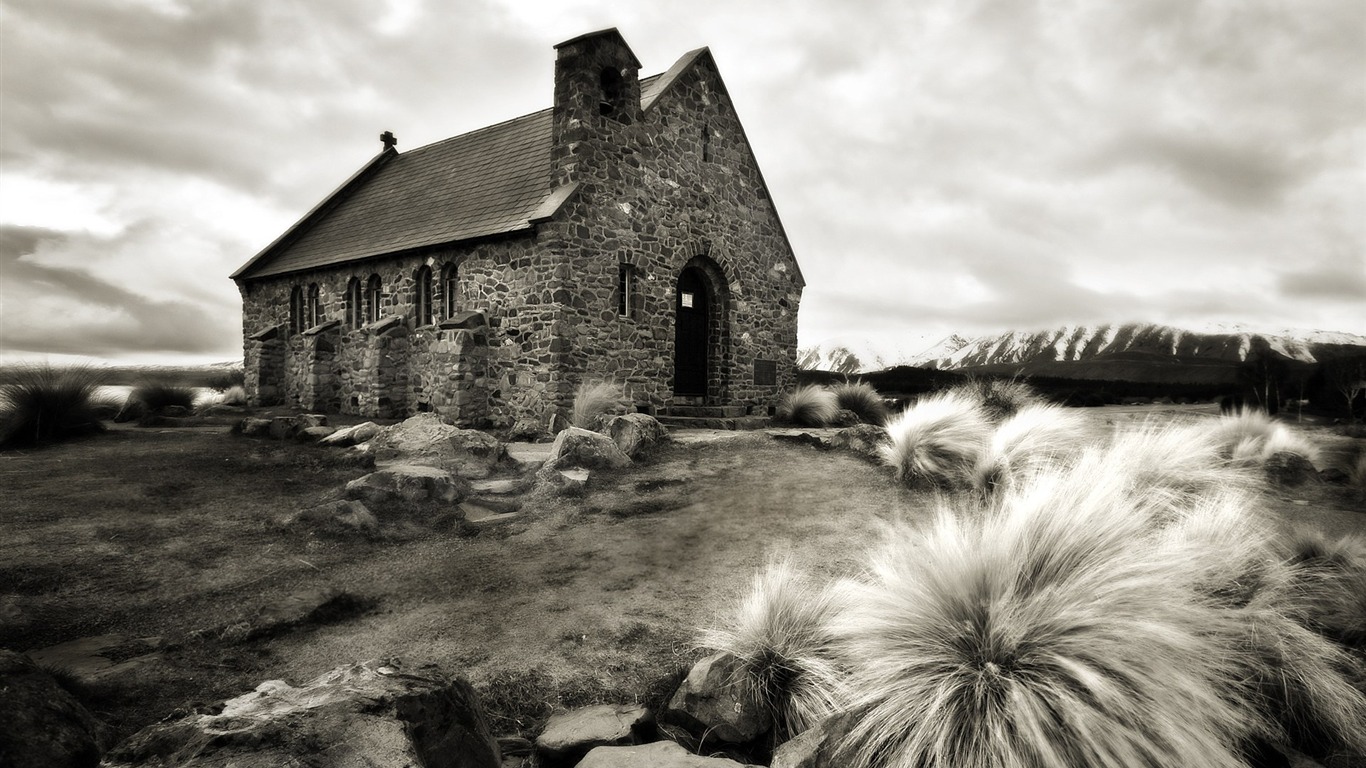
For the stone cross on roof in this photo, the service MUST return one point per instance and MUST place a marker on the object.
(390, 141)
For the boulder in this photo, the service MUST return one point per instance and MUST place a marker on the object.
(845, 418)
(283, 427)
(44, 726)
(571, 734)
(661, 754)
(817, 746)
(1289, 469)
(575, 447)
(372, 713)
(309, 420)
(353, 435)
(254, 427)
(429, 440)
(313, 434)
(711, 703)
(636, 433)
(410, 483)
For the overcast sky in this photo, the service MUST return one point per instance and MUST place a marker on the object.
(942, 166)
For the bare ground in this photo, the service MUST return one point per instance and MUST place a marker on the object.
(175, 534)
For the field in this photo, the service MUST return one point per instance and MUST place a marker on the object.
(179, 535)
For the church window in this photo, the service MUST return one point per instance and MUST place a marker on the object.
(296, 310)
(626, 289)
(354, 314)
(314, 313)
(422, 296)
(450, 291)
(706, 142)
(373, 295)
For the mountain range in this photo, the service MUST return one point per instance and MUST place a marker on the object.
(1098, 351)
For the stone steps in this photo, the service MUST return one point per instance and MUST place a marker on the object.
(715, 422)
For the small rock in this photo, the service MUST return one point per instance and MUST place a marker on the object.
(353, 435)
(1335, 476)
(636, 433)
(661, 754)
(309, 420)
(564, 481)
(845, 418)
(340, 516)
(1289, 469)
(575, 447)
(712, 704)
(817, 746)
(44, 726)
(571, 734)
(411, 483)
(528, 457)
(866, 440)
(499, 487)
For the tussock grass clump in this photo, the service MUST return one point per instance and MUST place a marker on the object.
(1057, 630)
(1251, 437)
(999, 398)
(1176, 466)
(157, 396)
(1327, 586)
(595, 399)
(234, 395)
(862, 399)
(788, 655)
(938, 441)
(43, 404)
(808, 406)
(1036, 437)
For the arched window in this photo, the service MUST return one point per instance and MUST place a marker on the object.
(450, 291)
(314, 314)
(296, 310)
(422, 296)
(354, 315)
(373, 295)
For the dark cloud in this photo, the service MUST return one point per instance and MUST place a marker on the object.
(51, 309)
(1334, 282)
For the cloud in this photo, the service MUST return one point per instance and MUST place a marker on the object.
(65, 310)
(1343, 282)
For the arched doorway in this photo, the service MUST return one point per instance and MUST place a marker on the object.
(700, 299)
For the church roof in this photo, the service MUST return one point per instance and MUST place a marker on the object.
(491, 181)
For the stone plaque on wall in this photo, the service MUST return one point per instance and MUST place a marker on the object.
(765, 372)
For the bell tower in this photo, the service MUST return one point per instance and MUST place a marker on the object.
(597, 96)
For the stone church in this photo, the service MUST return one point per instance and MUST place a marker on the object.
(626, 234)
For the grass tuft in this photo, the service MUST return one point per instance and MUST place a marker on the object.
(999, 399)
(1251, 437)
(594, 400)
(1037, 436)
(157, 396)
(937, 442)
(1056, 630)
(43, 404)
(808, 406)
(863, 400)
(788, 655)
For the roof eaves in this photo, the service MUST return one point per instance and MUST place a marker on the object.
(668, 78)
(316, 211)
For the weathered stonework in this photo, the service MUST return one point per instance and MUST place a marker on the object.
(651, 193)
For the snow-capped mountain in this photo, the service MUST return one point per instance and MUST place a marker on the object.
(1218, 344)
(1078, 343)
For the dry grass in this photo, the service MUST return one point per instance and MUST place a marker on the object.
(1251, 437)
(1037, 436)
(937, 442)
(42, 404)
(595, 399)
(157, 396)
(1055, 631)
(808, 406)
(863, 400)
(788, 656)
(999, 399)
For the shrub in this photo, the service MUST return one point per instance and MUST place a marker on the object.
(157, 396)
(42, 404)
(862, 399)
(226, 380)
(1036, 437)
(937, 442)
(1056, 630)
(999, 398)
(594, 400)
(788, 656)
(809, 406)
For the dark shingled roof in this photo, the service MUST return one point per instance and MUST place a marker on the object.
(487, 182)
